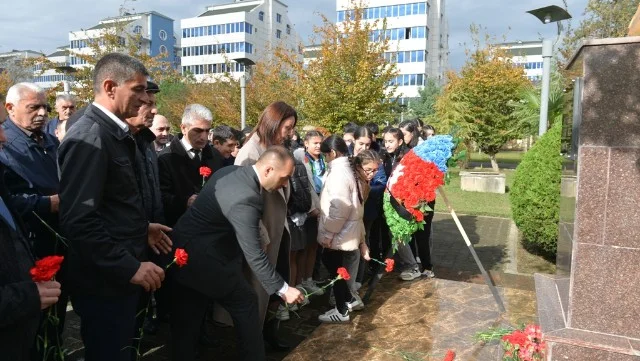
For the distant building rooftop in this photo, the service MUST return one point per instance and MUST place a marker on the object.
(228, 10)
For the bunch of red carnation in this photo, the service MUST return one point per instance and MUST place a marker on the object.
(524, 345)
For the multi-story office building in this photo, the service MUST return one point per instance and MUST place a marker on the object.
(152, 30)
(50, 78)
(13, 62)
(419, 35)
(528, 55)
(225, 38)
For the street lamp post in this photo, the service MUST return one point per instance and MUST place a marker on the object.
(549, 14)
(243, 102)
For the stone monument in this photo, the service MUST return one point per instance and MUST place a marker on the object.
(590, 310)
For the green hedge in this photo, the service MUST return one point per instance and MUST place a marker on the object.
(535, 195)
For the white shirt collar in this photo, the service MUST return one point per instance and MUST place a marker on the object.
(117, 120)
(187, 147)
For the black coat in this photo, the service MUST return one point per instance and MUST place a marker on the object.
(147, 160)
(180, 176)
(19, 298)
(219, 228)
(31, 176)
(101, 209)
(300, 199)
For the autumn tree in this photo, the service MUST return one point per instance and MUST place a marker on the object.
(602, 19)
(480, 96)
(424, 106)
(350, 81)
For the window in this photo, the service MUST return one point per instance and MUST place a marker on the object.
(163, 49)
(163, 35)
(137, 29)
(261, 16)
(279, 18)
(422, 8)
(288, 29)
(278, 34)
(341, 16)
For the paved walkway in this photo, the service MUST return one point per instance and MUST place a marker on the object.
(494, 240)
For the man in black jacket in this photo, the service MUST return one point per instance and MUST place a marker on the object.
(21, 299)
(31, 176)
(179, 164)
(219, 228)
(102, 213)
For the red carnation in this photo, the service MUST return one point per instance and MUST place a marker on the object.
(46, 268)
(181, 257)
(517, 337)
(343, 273)
(450, 356)
(205, 171)
(390, 263)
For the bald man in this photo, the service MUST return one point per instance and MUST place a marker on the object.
(161, 128)
(219, 229)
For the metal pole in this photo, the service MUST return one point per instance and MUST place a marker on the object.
(67, 86)
(547, 50)
(487, 279)
(243, 102)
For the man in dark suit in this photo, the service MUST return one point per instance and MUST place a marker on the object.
(65, 107)
(102, 213)
(21, 299)
(31, 176)
(179, 164)
(219, 228)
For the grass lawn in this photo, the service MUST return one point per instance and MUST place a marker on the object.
(476, 203)
(502, 157)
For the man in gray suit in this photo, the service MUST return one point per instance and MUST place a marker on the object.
(219, 229)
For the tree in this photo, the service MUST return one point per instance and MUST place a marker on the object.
(602, 19)
(350, 81)
(527, 109)
(480, 96)
(424, 107)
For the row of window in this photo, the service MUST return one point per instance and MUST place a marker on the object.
(51, 78)
(77, 61)
(530, 65)
(240, 27)
(416, 32)
(212, 68)
(534, 77)
(408, 79)
(225, 48)
(413, 56)
(382, 12)
(278, 17)
(79, 44)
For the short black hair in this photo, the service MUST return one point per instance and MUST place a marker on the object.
(373, 127)
(222, 133)
(117, 67)
(349, 128)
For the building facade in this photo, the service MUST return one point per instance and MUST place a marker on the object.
(528, 55)
(224, 39)
(419, 36)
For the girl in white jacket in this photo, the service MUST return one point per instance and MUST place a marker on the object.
(340, 228)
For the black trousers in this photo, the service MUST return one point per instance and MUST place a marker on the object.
(189, 307)
(333, 259)
(422, 238)
(106, 325)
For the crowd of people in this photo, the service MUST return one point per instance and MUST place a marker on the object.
(113, 191)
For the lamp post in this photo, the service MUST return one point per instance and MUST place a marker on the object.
(66, 70)
(247, 63)
(546, 15)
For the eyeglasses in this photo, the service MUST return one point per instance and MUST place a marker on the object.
(370, 170)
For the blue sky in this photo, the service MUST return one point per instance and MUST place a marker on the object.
(42, 25)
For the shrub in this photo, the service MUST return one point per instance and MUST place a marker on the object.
(535, 195)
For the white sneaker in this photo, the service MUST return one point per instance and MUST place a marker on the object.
(428, 273)
(311, 287)
(334, 316)
(356, 304)
(357, 286)
(282, 313)
(410, 275)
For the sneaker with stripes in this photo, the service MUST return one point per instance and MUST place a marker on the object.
(334, 316)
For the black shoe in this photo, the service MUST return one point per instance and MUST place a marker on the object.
(150, 327)
(270, 335)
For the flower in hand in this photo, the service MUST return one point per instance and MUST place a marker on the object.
(343, 274)
(46, 268)
(181, 257)
(389, 264)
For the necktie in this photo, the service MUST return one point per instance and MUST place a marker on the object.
(196, 153)
(6, 214)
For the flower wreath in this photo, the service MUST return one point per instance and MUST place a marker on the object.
(413, 184)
